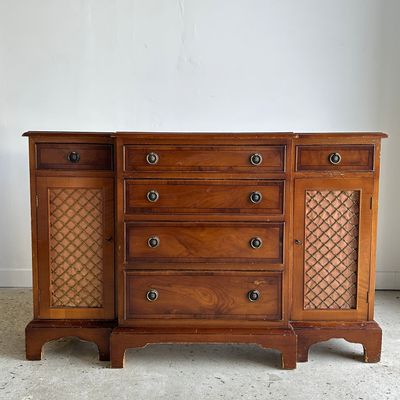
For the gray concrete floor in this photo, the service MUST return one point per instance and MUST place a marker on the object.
(70, 368)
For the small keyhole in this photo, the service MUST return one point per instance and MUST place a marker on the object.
(298, 242)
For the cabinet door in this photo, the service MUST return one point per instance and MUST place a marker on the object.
(332, 244)
(75, 231)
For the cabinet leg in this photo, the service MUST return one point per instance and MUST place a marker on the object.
(372, 347)
(369, 334)
(103, 344)
(281, 339)
(39, 332)
(33, 344)
(117, 352)
(288, 351)
(288, 357)
(117, 357)
(303, 346)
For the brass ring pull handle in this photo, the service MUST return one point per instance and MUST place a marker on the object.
(253, 295)
(335, 158)
(152, 295)
(152, 196)
(152, 158)
(255, 242)
(74, 157)
(153, 242)
(255, 197)
(256, 159)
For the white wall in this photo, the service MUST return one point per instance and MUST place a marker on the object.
(388, 259)
(194, 65)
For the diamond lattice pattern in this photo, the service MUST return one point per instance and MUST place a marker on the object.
(76, 247)
(331, 249)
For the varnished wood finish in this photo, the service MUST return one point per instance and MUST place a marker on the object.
(374, 225)
(340, 137)
(225, 161)
(369, 334)
(39, 332)
(203, 196)
(88, 323)
(203, 295)
(91, 156)
(360, 312)
(204, 266)
(105, 310)
(188, 241)
(353, 158)
(281, 339)
(322, 324)
(204, 158)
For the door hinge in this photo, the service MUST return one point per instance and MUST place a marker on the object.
(37, 200)
(368, 297)
(39, 295)
(370, 202)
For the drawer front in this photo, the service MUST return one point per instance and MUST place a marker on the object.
(180, 196)
(332, 157)
(74, 156)
(204, 158)
(203, 295)
(188, 241)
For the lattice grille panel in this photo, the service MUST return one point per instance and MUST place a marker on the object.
(331, 249)
(76, 247)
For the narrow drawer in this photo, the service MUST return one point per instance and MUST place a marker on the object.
(204, 158)
(201, 242)
(74, 156)
(203, 196)
(335, 157)
(202, 295)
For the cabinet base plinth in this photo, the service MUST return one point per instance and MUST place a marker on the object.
(281, 339)
(39, 332)
(369, 334)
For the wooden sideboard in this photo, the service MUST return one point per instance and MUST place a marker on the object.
(265, 238)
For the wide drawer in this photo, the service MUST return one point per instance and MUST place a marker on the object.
(74, 156)
(204, 158)
(202, 196)
(202, 295)
(189, 241)
(356, 157)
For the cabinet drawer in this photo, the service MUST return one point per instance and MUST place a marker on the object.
(189, 241)
(335, 157)
(204, 158)
(202, 295)
(74, 156)
(183, 196)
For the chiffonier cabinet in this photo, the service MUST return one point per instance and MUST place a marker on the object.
(263, 238)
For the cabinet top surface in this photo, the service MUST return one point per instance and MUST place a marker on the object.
(247, 135)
